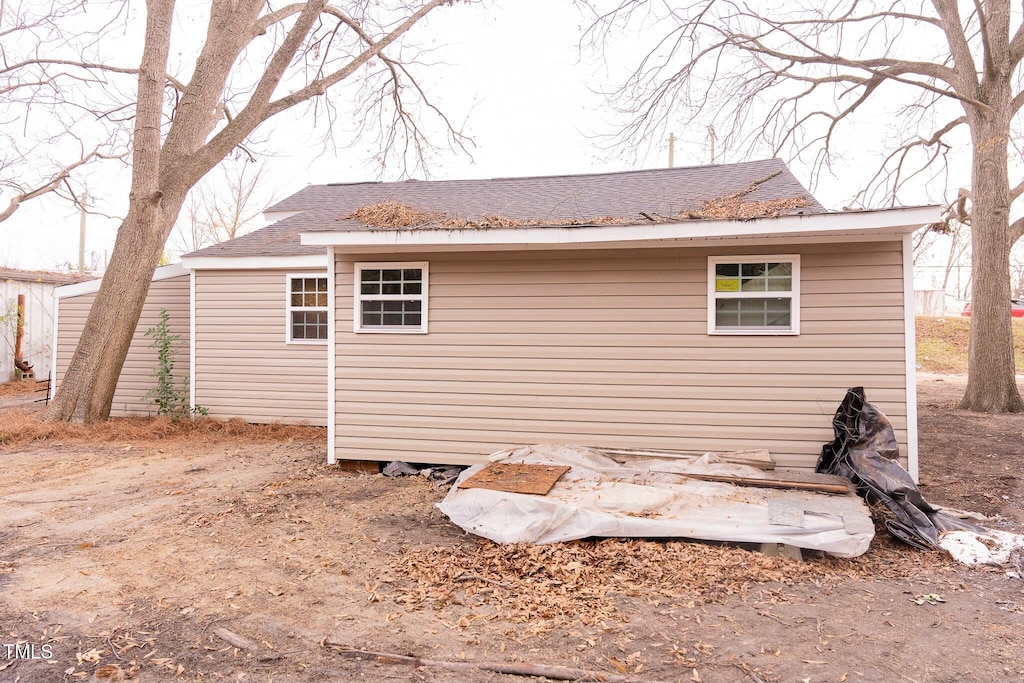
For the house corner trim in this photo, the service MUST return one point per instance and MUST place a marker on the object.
(910, 344)
(51, 386)
(332, 269)
(192, 342)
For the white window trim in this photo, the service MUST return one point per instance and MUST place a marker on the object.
(754, 258)
(289, 308)
(357, 297)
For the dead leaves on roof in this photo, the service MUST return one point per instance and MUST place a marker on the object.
(555, 585)
(733, 208)
(392, 214)
(395, 215)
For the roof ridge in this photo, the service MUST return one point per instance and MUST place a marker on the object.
(633, 171)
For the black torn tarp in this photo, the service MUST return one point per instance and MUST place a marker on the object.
(865, 451)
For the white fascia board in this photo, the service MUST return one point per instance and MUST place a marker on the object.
(93, 286)
(890, 221)
(255, 262)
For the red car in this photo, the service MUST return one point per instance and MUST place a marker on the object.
(1016, 308)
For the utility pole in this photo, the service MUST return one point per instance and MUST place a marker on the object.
(671, 150)
(81, 232)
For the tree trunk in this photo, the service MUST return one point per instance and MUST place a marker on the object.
(991, 383)
(165, 168)
(87, 388)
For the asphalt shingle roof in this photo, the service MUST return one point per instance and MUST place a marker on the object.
(554, 200)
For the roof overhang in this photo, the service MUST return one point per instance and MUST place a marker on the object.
(844, 226)
(92, 286)
(254, 262)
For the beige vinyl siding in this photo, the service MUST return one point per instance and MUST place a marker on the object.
(244, 367)
(610, 348)
(137, 374)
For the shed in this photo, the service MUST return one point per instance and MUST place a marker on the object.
(37, 286)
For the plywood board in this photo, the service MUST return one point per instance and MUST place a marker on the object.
(516, 478)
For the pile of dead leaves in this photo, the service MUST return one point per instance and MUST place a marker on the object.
(18, 428)
(733, 208)
(393, 215)
(553, 585)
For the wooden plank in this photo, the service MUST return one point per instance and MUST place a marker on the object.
(767, 483)
(529, 478)
(754, 457)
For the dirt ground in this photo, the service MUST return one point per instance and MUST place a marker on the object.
(126, 559)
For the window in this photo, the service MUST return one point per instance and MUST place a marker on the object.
(307, 309)
(754, 294)
(390, 297)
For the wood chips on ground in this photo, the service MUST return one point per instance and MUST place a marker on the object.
(18, 428)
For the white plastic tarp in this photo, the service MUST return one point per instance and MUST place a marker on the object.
(971, 548)
(601, 497)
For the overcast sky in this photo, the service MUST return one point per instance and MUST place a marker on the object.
(511, 73)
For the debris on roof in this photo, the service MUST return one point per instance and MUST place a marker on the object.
(622, 198)
(731, 206)
(642, 497)
(392, 214)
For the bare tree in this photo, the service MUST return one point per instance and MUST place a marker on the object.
(793, 79)
(256, 59)
(221, 209)
(29, 167)
(22, 192)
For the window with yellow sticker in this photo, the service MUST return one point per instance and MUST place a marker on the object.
(754, 294)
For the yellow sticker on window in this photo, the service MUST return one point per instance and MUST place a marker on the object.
(728, 284)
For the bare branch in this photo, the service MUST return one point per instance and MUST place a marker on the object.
(263, 24)
(320, 85)
(88, 66)
(1016, 231)
(52, 184)
(260, 107)
(1017, 46)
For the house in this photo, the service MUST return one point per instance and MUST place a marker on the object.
(37, 287)
(706, 308)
